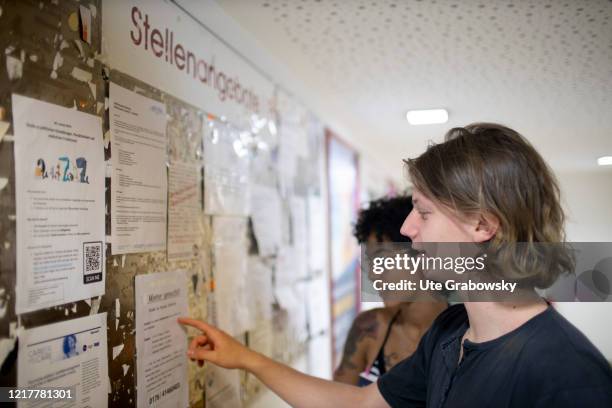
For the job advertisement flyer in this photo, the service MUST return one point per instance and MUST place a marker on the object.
(139, 179)
(183, 208)
(70, 355)
(59, 177)
(161, 343)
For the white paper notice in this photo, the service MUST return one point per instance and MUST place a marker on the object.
(161, 343)
(139, 180)
(299, 236)
(85, 14)
(69, 355)
(222, 388)
(292, 299)
(316, 233)
(230, 272)
(183, 208)
(59, 177)
(266, 213)
(261, 338)
(285, 266)
(288, 154)
(259, 293)
(318, 304)
(226, 171)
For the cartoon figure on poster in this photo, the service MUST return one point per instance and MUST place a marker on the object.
(65, 170)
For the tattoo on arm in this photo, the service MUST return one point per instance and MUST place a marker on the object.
(364, 326)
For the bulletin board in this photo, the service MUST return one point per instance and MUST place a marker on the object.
(53, 54)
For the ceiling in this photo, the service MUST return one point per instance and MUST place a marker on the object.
(543, 67)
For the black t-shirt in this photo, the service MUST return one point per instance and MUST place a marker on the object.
(546, 362)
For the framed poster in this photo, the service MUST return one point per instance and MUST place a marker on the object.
(343, 205)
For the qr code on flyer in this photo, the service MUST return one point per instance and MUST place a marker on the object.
(92, 262)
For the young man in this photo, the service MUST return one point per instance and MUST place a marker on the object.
(486, 183)
(382, 337)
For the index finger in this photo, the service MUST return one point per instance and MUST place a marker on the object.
(198, 324)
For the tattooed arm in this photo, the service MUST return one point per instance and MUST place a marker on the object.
(362, 336)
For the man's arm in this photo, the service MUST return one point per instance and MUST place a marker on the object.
(354, 361)
(297, 389)
(301, 390)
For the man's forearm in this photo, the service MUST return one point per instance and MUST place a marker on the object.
(301, 390)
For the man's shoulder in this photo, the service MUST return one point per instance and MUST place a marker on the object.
(446, 325)
(559, 336)
(568, 359)
(451, 318)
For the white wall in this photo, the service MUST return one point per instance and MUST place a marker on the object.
(588, 201)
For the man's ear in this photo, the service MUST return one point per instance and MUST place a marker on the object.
(487, 227)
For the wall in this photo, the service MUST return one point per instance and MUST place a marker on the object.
(588, 200)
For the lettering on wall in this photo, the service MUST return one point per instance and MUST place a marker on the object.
(161, 43)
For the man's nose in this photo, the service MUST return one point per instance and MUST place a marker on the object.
(409, 228)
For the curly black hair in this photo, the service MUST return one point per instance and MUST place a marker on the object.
(384, 217)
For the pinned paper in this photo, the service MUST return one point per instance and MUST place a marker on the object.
(81, 75)
(138, 129)
(161, 342)
(117, 350)
(14, 67)
(183, 208)
(4, 126)
(222, 388)
(266, 212)
(92, 87)
(85, 20)
(52, 161)
(58, 61)
(79, 46)
(72, 353)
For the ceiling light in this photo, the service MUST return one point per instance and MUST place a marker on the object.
(427, 116)
(605, 161)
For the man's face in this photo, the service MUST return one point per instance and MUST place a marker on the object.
(429, 222)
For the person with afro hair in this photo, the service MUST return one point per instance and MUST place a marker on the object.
(382, 337)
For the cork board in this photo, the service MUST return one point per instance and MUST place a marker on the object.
(45, 58)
